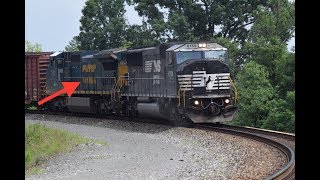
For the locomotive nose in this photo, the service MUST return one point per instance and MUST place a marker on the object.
(206, 84)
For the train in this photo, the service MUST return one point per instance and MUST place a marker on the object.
(183, 82)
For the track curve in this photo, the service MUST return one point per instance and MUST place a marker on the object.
(286, 172)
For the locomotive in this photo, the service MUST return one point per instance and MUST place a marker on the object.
(181, 82)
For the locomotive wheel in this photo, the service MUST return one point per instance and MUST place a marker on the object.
(178, 119)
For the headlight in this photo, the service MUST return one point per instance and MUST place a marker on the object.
(203, 45)
(196, 102)
(226, 101)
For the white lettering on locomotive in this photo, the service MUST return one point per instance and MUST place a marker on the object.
(156, 79)
(147, 66)
(156, 64)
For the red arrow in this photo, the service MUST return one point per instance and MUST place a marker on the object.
(68, 87)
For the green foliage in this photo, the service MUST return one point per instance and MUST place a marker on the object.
(281, 115)
(277, 19)
(255, 93)
(266, 46)
(73, 45)
(29, 47)
(235, 54)
(285, 74)
(185, 20)
(42, 142)
(139, 36)
(102, 25)
(266, 52)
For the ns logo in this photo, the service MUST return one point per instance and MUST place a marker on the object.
(154, 65)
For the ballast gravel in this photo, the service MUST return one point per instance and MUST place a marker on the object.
(151, 151)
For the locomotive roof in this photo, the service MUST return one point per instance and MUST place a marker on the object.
(55, 54)
(139, 50)
(114, 50)
(195, 46)
(108, 53)
(87, 57)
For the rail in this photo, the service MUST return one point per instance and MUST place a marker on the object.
(287, 171)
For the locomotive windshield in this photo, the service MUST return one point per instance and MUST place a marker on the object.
(185, 55)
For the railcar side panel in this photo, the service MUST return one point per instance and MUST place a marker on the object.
(35, 75)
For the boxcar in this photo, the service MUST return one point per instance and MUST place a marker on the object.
(35, 75)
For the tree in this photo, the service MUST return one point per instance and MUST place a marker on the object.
(269, 35)
(29, 47)
(285, 75)
(236, 56)
(185, 20)
(138, 36)
(266, 52)
(73, 45)
(281, 115)
(272, 105)
(277, 19)
(102, 25)
(255, 93)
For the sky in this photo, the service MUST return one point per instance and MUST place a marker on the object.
(53, 23)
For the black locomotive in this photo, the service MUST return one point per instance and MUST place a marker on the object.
(180, 82)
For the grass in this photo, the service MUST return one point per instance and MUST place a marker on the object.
(42, 142)
(31, 107)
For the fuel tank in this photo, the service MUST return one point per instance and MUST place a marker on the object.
(151, 109)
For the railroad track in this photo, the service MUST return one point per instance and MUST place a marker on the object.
(268, 137)
(279, 140)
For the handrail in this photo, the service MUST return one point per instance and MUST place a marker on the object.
(184, 93)
(120, 85)
(179, 96)
(112, 90)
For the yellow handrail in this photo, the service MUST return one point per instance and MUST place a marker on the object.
(113, 90)
(184, 98)
(179, 96)
(120, 86)
(184, 93)
(235, 91)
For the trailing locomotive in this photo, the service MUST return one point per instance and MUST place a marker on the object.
(181, 82)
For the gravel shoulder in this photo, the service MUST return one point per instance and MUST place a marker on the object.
(150, 151)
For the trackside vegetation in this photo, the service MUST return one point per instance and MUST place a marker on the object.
(42, 142)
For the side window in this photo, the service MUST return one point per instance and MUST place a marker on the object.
(226, 57)
(60, 63)
(52, 62)
(169, 58)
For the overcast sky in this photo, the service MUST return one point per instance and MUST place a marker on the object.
(53, 23)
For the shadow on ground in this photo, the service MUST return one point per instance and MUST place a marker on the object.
(152, 126)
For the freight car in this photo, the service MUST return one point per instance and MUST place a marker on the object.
(35, 75)
(181, 82)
